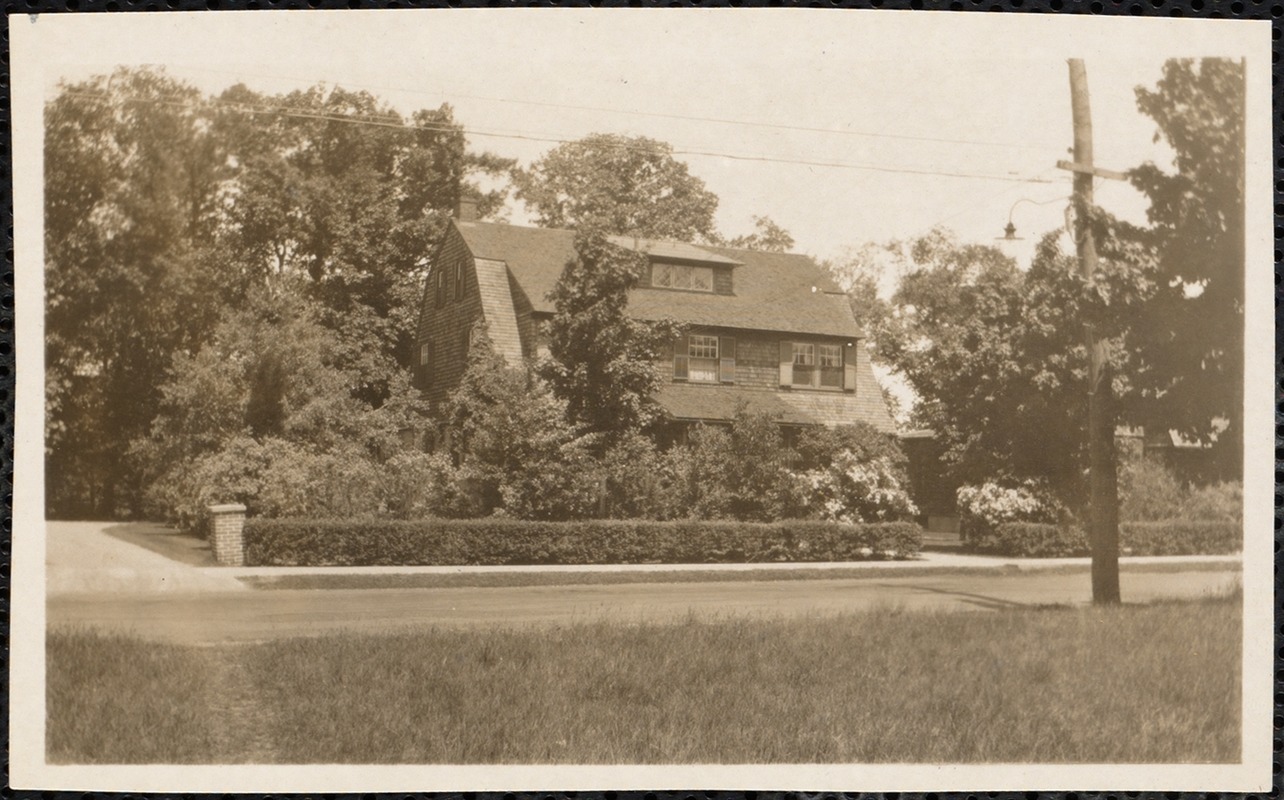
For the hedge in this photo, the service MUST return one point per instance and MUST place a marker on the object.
(304, 542)
(1164, 538)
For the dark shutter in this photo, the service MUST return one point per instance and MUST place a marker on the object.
(727, 360)
(850, 355)
(681, 358)
(429, 364)
(786, 363)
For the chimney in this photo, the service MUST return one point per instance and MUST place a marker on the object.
(467, 209)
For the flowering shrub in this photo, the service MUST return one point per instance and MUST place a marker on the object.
(982, 509)
(854, 490)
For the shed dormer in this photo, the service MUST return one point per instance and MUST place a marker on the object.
(683, 267)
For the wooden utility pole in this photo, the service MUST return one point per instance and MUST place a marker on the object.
(1104, 489)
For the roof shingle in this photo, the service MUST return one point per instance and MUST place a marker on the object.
(772, 291)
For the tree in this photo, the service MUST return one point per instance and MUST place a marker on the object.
(602, 362)
(767, 236)
(1191, 338)
(514, 448)
(132, 176)
(618, 185)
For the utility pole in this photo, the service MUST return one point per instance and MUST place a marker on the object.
(1104, 489)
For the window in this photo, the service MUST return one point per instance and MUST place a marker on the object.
(459, 279)
(680, 276)
(440, 286)
(804, 364)
(815, 365)
(703, 364)
(705, 358)
(830, 357)
(425, 364)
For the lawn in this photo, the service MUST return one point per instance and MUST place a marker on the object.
(1157, 683)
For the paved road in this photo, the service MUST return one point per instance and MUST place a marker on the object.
(260, 615)
(109, 579)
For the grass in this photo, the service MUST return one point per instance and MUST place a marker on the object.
(112, 699)
(1153, 684)
(449, 580)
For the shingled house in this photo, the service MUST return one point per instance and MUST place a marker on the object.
(769, 330)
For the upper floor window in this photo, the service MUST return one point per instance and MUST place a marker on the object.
(705, 358)
(681, 276)
(439, 285)
(815, 365)
(460, 274)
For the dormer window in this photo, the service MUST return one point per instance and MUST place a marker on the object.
(681, 276)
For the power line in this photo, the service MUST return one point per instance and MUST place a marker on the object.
(663, 115)
(396, 122)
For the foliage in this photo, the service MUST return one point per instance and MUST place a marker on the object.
(269, 412)
(602, 362)
(620, 185)
(1170, 537)
(767, 237)
(167, 212)
(852, 489)
(132, 179)
(982, 509)
(1191, 339)
(515, 449)
(740, 471)
(1181, 537)
(1033, 540)
(498, 541)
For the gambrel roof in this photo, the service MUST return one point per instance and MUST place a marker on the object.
(781, 292)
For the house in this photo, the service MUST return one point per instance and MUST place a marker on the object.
(769, 330)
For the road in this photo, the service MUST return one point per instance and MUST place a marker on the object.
(217, 617)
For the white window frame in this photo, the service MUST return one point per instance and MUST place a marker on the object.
(702, 358)
(812, 366)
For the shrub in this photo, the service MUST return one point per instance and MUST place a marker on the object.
(852, 489)
(1216, 501)
(496, 541)
(982, 509)
(1181, 537)
(1162, 538)
(1035, 540)
(1148, 490)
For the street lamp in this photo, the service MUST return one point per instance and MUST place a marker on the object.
(1009, 230)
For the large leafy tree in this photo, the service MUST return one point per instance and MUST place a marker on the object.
(621, 185)
(132, 181)
(1191, 338)
(167, 210)
(602, 362)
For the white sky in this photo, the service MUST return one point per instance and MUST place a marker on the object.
(995, 85)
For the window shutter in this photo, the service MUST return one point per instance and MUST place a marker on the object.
(849, 368)
(727, 363)
(428, 364)
(680, 359)
(786, 363)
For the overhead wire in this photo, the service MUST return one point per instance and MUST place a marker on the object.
(661, 115)
(396, 122)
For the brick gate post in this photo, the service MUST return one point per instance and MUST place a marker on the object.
(226, 522)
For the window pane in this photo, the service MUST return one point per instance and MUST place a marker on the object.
(661, 275)
(804, 354)
(831, 355)
(681, 277)
(702, 278)
(704, 369)
(703, 347)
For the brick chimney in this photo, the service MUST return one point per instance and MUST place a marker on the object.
(467, 209)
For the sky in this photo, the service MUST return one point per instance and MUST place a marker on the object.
(842, 127)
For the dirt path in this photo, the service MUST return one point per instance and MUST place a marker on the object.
(240, 716)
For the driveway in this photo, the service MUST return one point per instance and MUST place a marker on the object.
(106, 558)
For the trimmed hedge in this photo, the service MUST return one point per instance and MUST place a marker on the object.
(440, 542)
(1166, 538)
